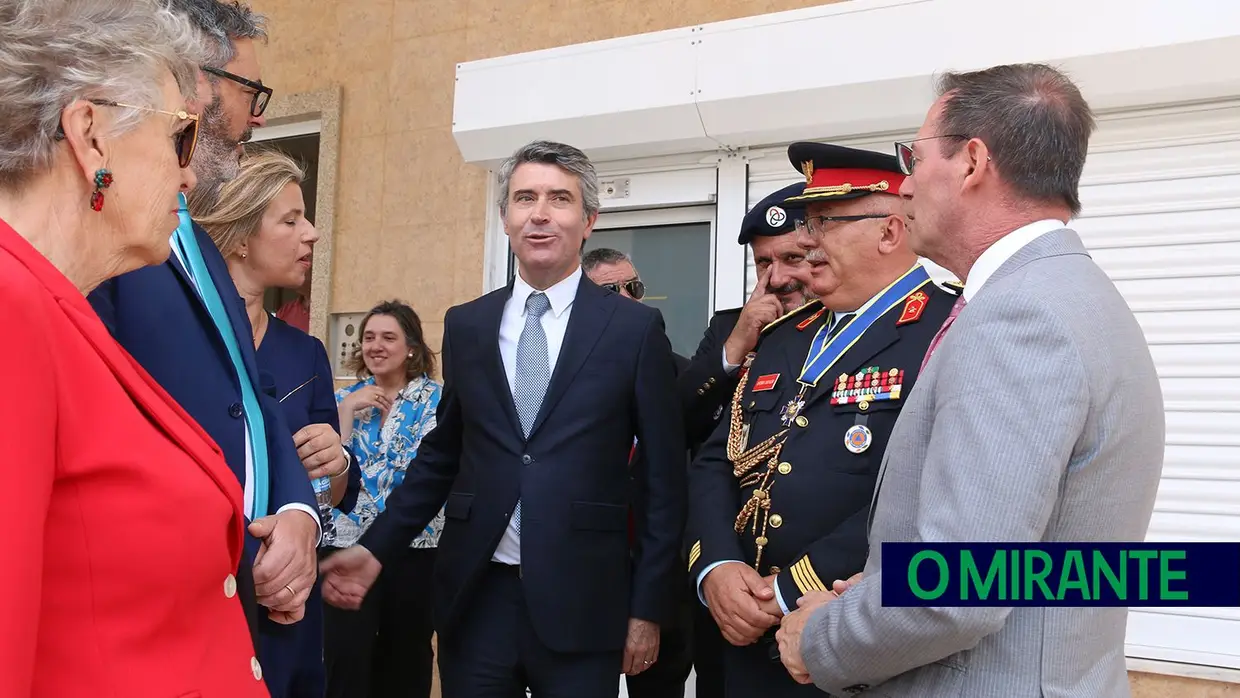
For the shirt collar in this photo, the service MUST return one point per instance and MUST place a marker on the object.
(560, 295)
(1002, 250)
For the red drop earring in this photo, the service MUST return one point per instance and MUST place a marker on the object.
(103, 180)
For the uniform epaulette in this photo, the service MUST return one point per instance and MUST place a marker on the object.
(808, 306)
(953, 287)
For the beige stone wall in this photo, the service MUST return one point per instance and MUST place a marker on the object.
(409, 214)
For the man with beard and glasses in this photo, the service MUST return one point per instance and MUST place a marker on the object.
(706, 385)
(780, 492)
(184, 322)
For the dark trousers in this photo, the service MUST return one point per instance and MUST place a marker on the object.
(708, 645)
(383, 649)
(666, 677)
(493, 651)
(292, 655)
(750, 672)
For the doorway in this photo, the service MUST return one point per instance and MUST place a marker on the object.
(674, 262)
(292, 305)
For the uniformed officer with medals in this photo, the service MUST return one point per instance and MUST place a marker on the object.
(780, 493)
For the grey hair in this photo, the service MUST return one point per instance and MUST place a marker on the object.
(221, 23)
(54, 52)
(600, 256)
(1033, 119)
(566, 157)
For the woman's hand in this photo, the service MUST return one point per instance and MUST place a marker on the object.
(370, 396)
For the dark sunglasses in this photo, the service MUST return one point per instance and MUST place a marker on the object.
(262, 93)
(184, 141)
(635, 287)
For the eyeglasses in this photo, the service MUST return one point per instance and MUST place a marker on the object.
(818, 224)
(635, 287)
(184, 141)
(904, 152)
(262, 93)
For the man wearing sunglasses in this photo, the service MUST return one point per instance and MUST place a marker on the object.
(614, 271)
(183, 323)
(780, 493)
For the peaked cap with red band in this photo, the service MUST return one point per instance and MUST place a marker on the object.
(836, 173)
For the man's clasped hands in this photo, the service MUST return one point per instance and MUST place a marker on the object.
(744, 607)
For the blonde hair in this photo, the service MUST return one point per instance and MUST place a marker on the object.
(242, 202)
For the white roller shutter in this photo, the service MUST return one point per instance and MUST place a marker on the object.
(1161, 195)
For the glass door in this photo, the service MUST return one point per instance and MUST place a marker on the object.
(674, 263)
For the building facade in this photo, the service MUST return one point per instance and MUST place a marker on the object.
(686, 106)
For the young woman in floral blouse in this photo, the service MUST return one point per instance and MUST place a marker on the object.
(384, 649)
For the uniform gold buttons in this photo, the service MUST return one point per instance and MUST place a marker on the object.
(776, 521)
(774, 569)
(802, 421)
(761, 540)
(785, 468)
(863, 405)
(230, 586)
(256, 668)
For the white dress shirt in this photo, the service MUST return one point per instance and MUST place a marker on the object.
(554, 324)
(248, 485)
(1002, 250)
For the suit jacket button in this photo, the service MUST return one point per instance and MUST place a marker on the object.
(526, 459)
(256, 668)
(230, 586)
(701, 392)
(712, 380)
(235, 411)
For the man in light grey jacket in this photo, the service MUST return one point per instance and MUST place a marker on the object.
(1038, 417)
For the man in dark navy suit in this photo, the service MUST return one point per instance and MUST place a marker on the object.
(185, 323)
(614, 270)
(547, 383)
(781, 490)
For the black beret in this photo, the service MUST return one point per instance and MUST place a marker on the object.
(771, 216)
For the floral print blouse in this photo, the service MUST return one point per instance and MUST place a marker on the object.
(383, 451)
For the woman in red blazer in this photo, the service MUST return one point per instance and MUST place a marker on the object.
(123, 522)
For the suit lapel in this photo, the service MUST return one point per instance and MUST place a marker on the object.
(795, 353)
(589, 318)
(234, 305)
(493, 363)
(159, 407)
